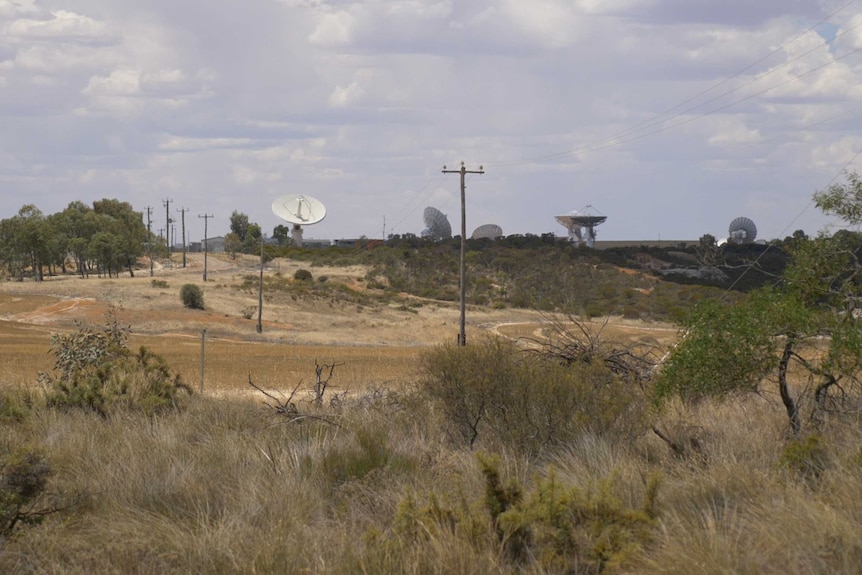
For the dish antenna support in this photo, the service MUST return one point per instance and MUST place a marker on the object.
(741, 231)
(298, 210)
(581, 226)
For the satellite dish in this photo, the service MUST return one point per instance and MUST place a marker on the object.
(437, 225)
(581, 225)
(487, 231)
(299, 210)
(741, 231)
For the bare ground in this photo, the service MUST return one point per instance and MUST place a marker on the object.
(391, 335)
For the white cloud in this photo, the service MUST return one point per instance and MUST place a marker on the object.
(334, 28)
(547, 22)
(124, 82)
(343, 96)
(647, 109)
(733, 131)
(15, 7)
(180, 144)
(60, 24)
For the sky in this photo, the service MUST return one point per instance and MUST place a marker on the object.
(670, 117)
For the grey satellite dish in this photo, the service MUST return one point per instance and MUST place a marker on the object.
(581, 225)
(298, 210)
(487, 231)
(437, 226)
(742, 231)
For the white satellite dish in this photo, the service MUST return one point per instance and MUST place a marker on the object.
(437, 225)
(487, 231)
(299, 210)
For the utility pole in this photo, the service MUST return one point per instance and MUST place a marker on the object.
(169, 221)
(462, 335)
(182, 212)
(260, 291)
(150, 238)
(206, 218)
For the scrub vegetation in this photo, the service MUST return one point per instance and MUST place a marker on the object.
(736, 449)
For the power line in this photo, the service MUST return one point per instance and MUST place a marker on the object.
(410, 203)
(789, 225)
(620, 137)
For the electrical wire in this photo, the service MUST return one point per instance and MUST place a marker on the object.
(621, 138)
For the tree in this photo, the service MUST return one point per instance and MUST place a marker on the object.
(251, 244)
(127, 226)
(281, 234)
(78, 224)
(232, 244)
(24, 242)
(239, 225)
(842, 200)
(708, 250)
(808, 323)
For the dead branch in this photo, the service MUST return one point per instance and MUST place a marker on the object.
(283, 406)
(320, 386)
(287, 407)
(573, 341)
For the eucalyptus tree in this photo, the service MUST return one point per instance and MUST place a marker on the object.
(129, 232)
(78, 224)
(24, 241)
(803, 333)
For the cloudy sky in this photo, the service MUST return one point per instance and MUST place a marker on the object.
(671, 117)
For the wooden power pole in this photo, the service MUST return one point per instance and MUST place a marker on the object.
(168, 221)
(462, 335)
(182, 212)
(206, 218)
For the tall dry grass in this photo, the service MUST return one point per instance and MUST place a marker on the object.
(226, 486)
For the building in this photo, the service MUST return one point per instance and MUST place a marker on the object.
(213, 245)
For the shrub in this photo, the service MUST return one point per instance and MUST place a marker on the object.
(23, 476)
(162, 284)
(95, 371)
(302, 275)
(371, 451)
(493, 392)
(192, 296)
(14, 403)
(559, 525)
(806, 456)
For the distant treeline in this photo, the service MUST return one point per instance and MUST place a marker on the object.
(106, 239)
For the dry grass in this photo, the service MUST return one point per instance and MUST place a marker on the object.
(377, 345)
(225, 486)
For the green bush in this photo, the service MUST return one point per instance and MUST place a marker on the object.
(23, 477)
(806, 456)
(95, 371)
(370, 452)
(15, 403)
(302, 275)
(559, 525)
(493, 393)
(192, 296)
